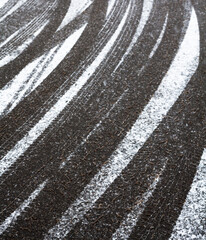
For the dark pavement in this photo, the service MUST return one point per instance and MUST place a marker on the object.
(102, 119)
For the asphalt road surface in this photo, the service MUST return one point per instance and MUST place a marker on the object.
(102, 119)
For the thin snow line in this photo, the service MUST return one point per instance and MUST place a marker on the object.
(11, 220)
(92, 132)
(127, 225)
(147, 8)
(159, 38)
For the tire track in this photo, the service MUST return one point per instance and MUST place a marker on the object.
(75, 57)
(14, 22)
(72, 156)
(14, 67)
(35, 72)
(131, 144)
(25, 32)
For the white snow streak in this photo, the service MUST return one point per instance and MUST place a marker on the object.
(191, 223)
(147, 7)
(21, 48)
(181, 70)
(49, 117)
(28, 79)
(159, 38)
(75, 9)
(13, 9)
(110, 6)
(3, 2)
(13, 217)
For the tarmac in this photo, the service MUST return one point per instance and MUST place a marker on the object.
(102, 119)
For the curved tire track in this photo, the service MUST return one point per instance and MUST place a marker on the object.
(82, 138)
